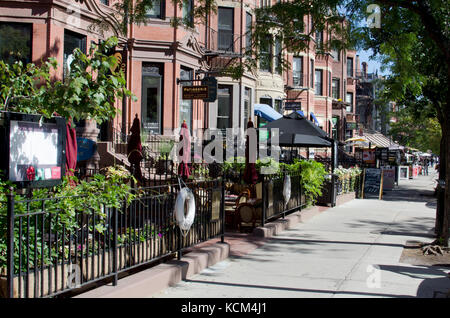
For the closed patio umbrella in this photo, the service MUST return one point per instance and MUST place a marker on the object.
(134, 148)
(71, 150)
(250, 174)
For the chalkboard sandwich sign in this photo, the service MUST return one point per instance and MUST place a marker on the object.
(373, 183)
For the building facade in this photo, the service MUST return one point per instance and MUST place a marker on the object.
(161, 59)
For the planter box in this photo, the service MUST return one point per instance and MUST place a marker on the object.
(127, 256)
(42, 280)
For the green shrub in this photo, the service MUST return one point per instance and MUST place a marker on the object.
(312, 177)
(63, 202)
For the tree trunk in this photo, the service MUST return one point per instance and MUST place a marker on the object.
(446, 218)
(444, 174)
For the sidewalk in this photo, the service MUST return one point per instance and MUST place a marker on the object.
(352, 250)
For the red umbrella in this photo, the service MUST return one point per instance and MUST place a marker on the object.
(250, 174)
(71, 149)
(134, 148)
(185, 137)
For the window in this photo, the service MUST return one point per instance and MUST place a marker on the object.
(329, 83)
(278, 56)
(186, 104)
(72, 41)
(266, 100)
(15, 42)
(311, 73)
(247, 104)
(319, 40)
(335, 129)
(318, 84)
(349, 99)
(265, 63)
(225, 28)
(248, 32)
(187, 14)
(335, 88)
(224, 107)
(278, 105)
(349, 67)
(151, 100)
(264, 3)
(297, 71)
(156, 11)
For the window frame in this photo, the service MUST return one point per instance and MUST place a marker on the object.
(227, 31)
(298, 72)
(29, 58)
(336, 89)
(318, 90)
(352, 67)
(266, 55)
(162, 6)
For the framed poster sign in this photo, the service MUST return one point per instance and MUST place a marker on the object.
(34, 149)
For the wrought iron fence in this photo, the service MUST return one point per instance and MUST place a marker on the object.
(274, 203)
(53, 247)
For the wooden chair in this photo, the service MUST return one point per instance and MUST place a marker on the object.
(246, 216)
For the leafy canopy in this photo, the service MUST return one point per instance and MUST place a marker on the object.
(88, 92)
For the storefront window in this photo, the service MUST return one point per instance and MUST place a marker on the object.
(186, 105)
(151, 97)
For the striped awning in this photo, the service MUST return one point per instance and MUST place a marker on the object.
(380, 140)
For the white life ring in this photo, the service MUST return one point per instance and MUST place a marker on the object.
(287, 188)
(185, 209)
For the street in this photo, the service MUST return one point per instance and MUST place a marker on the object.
(352, 250)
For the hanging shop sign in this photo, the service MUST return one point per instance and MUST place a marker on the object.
(195, 92)
(211, 83)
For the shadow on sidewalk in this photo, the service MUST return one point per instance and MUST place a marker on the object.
(436, 281)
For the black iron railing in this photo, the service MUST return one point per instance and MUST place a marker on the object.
(274, 203)
(53, 248)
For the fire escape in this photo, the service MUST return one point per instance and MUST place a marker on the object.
(221, 50)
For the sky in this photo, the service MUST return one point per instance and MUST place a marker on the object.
(373, 65)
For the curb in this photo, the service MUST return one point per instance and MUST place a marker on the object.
(153, 280)
(275, 227)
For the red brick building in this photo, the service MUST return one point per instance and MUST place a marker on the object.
(159, 55)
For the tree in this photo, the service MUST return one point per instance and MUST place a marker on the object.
(414, 41)
(89, 92)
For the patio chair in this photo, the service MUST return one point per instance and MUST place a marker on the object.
(246, 216)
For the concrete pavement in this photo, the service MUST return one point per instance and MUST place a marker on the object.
(352, 250)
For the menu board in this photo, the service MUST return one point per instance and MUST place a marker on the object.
(388, 178)
(33, 149)
(373, 183)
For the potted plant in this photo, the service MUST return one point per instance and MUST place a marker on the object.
(163, 165)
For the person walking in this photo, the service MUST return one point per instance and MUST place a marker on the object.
(425, 167)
